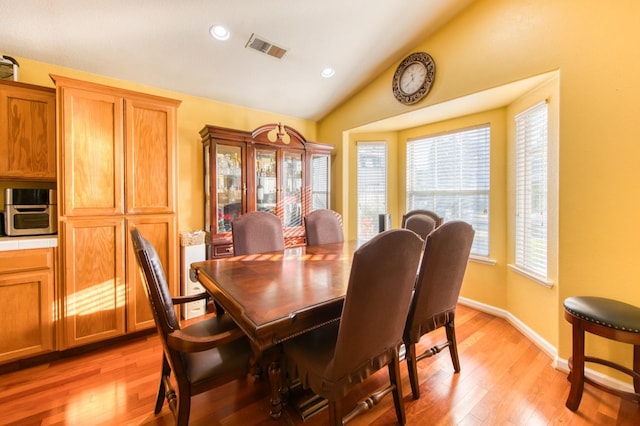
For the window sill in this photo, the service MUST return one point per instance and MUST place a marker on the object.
(482, 259)
(537, 279)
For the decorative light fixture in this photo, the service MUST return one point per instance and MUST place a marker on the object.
(279, 134)
(219, 32)
(328, 72)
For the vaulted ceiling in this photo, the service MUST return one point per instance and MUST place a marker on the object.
(167, 44)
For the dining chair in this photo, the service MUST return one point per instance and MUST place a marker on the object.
(257, 232)
(202, 355)
(333, 359)
(444, 261)
(323, 226)
(422, 222)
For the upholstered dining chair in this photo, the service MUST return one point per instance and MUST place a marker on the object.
(257, 232)
(422, 222)
(333, 359)
(203, 355)
(437, 290)
(323, 226)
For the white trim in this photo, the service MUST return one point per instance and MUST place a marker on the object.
(543, 282)
(560, 364)
(482, 259)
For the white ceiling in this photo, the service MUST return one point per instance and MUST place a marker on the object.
(166, 44)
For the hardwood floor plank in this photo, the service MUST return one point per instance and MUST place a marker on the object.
(505, 380)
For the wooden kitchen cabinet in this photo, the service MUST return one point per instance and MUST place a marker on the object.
(273, 169)
(27, 295)
(94, 290)
(158, 229)
(27, 132)
(117, 169)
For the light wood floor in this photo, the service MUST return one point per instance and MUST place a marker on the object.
(505, 380)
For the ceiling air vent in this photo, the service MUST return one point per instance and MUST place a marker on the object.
(261, 45)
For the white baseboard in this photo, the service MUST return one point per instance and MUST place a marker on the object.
(560, 364)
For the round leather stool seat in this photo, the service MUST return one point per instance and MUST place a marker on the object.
(606, 312)
(608, 318)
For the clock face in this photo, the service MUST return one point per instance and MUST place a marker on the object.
(413, 78)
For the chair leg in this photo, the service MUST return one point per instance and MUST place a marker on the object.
(396, 382)
(412, 367)
(453, 346)
(184, 407)
(636, 368)
(335, 408)
(576, 368)
(166, 371)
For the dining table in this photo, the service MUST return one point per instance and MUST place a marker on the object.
(279, 295)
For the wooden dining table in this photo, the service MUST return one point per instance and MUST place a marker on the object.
(276, 296)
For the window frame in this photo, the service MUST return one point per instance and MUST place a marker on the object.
(532, 176)
(365, 233)
(479, 134)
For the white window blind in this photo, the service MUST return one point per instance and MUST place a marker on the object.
(531, 190)
(449, 174)
(372, 187)
(319, 182)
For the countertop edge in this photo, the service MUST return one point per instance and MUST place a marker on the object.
(27, 243)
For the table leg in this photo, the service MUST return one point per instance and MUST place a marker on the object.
(275, 380)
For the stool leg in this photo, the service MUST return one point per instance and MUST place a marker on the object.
(577, 368)
(636, 367)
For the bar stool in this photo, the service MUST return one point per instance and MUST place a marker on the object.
(607, 318)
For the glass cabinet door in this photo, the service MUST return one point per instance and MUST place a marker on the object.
(229, 190)
(292, 189)
(266, 181)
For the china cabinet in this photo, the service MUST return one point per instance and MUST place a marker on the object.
(273, 169)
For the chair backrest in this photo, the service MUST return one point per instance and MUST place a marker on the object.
(155, 283)
(422, 222)
(383, 273)
(323, 227)
(444, 262)
(257, 232)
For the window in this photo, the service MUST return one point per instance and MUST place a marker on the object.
(449, 174)
(372, 187)
(532, 190)
(320, 182)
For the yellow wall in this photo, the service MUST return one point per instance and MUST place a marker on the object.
(593, 45)
(194, 113)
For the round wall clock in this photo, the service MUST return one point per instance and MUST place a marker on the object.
(413, 78)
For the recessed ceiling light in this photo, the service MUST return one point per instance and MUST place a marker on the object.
(219, 32)
(328, 72)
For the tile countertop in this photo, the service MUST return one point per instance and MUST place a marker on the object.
(26, 243)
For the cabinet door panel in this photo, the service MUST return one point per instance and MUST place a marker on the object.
(160, 231)
(92, 153)
(27, 327)
(27, 133)
(94, 281)
(292, 189)
(267, 186)
(150, 145)
(229, 191)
